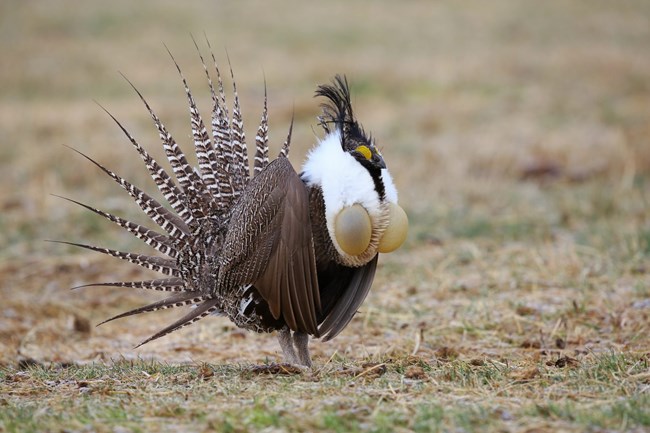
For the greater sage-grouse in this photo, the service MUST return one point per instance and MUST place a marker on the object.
(275, 251)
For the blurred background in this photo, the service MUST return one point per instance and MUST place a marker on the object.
(517, 132)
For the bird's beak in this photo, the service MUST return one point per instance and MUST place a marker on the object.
(378, 160)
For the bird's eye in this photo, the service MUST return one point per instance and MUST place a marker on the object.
(365, 151)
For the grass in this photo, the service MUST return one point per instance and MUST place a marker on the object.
(517, 134)
(406, 394)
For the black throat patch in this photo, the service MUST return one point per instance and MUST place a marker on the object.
(375, 173)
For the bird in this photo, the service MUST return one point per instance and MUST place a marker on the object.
(275, 250)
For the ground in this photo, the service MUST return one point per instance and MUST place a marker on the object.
(518, 134)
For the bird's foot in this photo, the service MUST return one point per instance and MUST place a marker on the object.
(289, 343)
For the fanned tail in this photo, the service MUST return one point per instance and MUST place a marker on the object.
(200, 199)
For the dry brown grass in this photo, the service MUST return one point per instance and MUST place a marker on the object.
(518, 134)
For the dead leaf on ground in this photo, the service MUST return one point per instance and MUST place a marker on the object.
(205, 372)
(524, 310)
(415, 372)
(370, 370)
(446, 353)
(531, 344)
(527, 374)
(564, 361)
(541, 169)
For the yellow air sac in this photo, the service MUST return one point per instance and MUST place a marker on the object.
(353, 229)
(395, 234)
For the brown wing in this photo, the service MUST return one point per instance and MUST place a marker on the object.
(343, 289)
(269, 245)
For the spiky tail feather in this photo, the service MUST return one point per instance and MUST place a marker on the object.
(262, 140)
(206, 193)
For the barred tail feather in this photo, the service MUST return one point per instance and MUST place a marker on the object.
(284, 152)
(165, 183)
(202, 310)
(221, 134)
(160, 285)
(158, 241)
(221, 188)
(202, 143)
(169, 222)
(195, 195)
(197, 201)
(177, 300)
(154, 263)
(241, 168)
(262, 140)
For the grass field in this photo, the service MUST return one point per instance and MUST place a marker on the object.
(518, 134)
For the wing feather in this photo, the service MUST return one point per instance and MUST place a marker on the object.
(346, 288)
(270, 246)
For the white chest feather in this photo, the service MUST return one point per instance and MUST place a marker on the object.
(343, 180)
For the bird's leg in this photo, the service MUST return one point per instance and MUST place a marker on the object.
(286, 343)
(301, 341)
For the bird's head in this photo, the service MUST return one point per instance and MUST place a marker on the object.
(361, 208)
(338, 116)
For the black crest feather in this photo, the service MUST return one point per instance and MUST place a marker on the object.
(337, 111)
